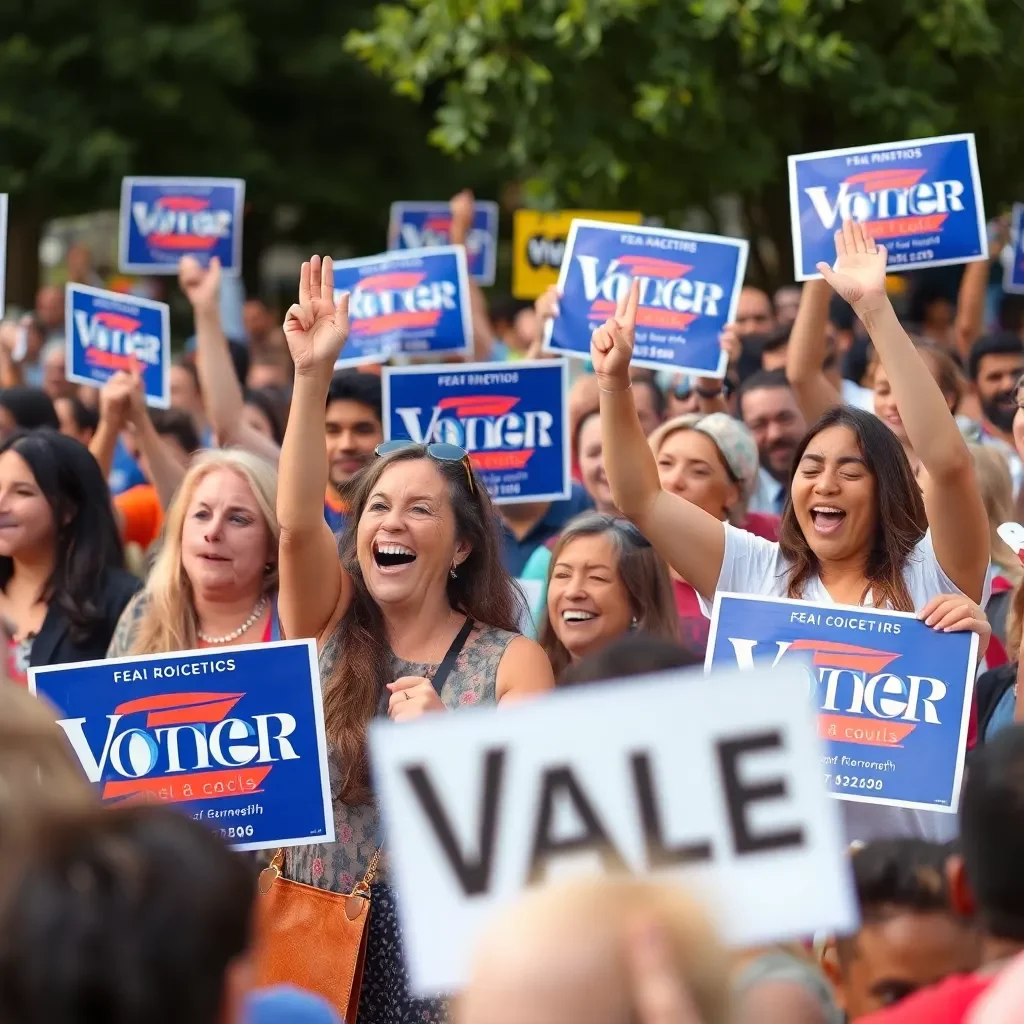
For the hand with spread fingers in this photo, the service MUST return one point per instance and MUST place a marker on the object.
(955, 613)
(611, 345)
(412, 697)
(858, 275)
(316, 328)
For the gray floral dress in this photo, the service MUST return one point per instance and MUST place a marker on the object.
(338, 866)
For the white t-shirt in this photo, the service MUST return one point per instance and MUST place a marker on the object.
(857, 396)
(753, 565)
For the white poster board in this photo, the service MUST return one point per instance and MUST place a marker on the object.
(717, 781)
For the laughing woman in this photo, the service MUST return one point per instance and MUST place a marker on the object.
(605, 580)
(855, 529)
(419, 575)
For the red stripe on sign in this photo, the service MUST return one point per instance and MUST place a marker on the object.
(112, 360)
(651, 266)
(479, 405)
(182, 708)
(397, 322)
(186, 204)
(183, 242)
(119, 321)
(392, 282)
(898, 227)
(831, 654)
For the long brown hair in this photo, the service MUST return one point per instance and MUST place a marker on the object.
(483, 590)
(900, 521)
(643, 574)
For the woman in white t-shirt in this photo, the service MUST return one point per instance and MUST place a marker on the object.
(854, 530)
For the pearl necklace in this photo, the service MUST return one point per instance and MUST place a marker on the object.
(261, 604)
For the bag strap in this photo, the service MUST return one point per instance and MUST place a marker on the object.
(362, 888)
(272, 872)
(444, 670)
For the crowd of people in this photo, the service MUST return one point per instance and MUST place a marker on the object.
(861, 450)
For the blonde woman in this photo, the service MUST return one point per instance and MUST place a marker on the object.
(1005, 570)
(214, 580)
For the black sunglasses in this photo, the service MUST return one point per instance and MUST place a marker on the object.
(437, 450)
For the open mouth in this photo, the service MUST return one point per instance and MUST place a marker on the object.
(390, 556)
(827, 518)
(577, 615)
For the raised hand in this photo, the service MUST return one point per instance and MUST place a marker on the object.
(859, 272)
(462, 207)
(116, 398)
(611, 345)
(315, 328)
(200, 284)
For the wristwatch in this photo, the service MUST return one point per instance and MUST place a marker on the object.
(704, 393)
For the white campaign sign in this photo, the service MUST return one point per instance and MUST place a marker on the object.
(715, 780)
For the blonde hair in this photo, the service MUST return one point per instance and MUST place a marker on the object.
(588, 921)
(169, 621)
(39, 774)
(996, 487)
(688, 421)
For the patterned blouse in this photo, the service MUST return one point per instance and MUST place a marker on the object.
(338, 866)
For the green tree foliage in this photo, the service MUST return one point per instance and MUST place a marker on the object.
(257, 89)
(663, 105)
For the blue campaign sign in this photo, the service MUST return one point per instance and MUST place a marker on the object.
(512, 419)
(415, 303)
(893, 695)
(163, 219)
(426, 225)
(107, 331)
(689, 289)
(921, 199)
(234, 736)
(1013, 277)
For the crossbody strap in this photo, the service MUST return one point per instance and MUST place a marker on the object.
(444, 670)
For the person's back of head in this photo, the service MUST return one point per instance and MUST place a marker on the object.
(39, 774)
(634, 654)
(992, 834)
(559, 955)
(134, 915)
(28, 408)
(909, 936)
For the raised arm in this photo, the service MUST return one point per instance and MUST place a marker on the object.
(462, 208)
(689, 539)
(805, 357)
(956, 513)
(314, 588)
(221, 388)
(166, 468)
(115, 402)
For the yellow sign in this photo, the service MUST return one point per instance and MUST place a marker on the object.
(538, 241)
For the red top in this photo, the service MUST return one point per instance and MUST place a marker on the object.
(948, 1002)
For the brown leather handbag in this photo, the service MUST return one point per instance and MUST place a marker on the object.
(313, 938)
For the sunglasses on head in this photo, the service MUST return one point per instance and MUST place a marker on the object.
(437, 450)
